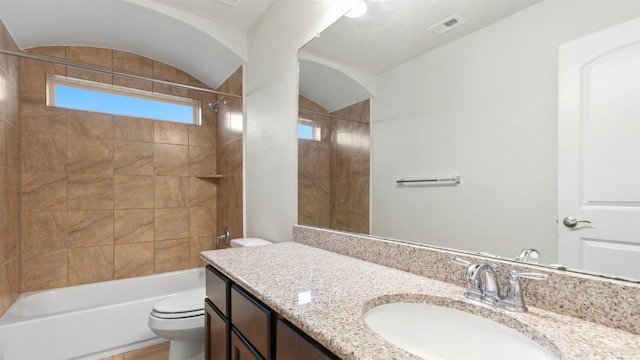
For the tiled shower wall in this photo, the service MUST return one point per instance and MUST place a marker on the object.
(350, 169)
(314, 170)
(230, 124)
(9, 174)
(333, 174)
(108, 197)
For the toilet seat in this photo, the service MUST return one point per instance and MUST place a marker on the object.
(183, 305)
(181, 315)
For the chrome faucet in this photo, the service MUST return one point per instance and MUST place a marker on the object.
(528, 254)
(224, 236)
(483, 285)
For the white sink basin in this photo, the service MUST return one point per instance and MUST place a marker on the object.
(439, 333)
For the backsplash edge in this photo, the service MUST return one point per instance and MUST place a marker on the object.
(576, 295)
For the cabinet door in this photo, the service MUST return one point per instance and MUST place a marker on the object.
(292, 345)
(241, 350)
(217, 334)
(252, 320)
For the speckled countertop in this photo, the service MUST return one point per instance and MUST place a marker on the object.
(343, 288)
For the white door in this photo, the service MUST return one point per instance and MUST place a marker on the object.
(599, 151)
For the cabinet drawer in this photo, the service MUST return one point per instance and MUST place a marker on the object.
(252, 320)
(292, 344)
(218, 289)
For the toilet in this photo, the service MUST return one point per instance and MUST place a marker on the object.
(180, 318)
(243, 242)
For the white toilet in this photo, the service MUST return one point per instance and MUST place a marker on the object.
(242, 242)
(180, 318)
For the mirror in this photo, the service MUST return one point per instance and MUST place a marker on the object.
(478, 101)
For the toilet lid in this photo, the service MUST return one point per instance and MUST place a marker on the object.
(184, 304)
(181, 315)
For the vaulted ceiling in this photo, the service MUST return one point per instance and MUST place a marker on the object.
(206, 38)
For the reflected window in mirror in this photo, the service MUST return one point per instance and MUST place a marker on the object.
(309, 129)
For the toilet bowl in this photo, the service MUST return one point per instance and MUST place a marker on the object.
(180, 319)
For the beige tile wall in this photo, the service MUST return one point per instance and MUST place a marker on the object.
(230, 132)
(350, 169)
(314, 170)
(9, 174)
(333, 174)
(109, 197)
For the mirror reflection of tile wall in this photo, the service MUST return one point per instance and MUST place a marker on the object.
(333, 173)
(10, 124)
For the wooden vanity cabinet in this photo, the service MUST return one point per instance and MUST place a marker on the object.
(218, 289)
(241, 349)
(293, 344)
(253, 320)
(216, 311)
(217, 334)
(239, 326)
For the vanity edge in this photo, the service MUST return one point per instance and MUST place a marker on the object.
(343, 288)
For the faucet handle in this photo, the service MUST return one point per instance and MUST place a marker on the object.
(514, 299)
(224, 237)
(534, 276)
(459, 261)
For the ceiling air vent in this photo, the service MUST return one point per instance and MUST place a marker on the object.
(447, 24)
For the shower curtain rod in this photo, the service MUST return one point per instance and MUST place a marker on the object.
(329, 115)
(111, 72)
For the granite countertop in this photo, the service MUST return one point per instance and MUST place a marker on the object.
(326, 294)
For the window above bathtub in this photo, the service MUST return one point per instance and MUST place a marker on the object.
(78, 94)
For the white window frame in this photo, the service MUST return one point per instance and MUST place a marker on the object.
(55, 80)
(316, 126)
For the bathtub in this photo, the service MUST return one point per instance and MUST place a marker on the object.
(89, 321)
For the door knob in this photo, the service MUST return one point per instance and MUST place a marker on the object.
(571, 222)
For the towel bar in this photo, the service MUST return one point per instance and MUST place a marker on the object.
(455, 179)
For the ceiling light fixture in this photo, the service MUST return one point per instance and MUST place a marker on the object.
(357, 10)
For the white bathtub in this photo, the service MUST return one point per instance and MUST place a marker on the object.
(89, 321)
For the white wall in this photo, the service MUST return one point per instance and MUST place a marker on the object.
(271, 112)
(484, 107)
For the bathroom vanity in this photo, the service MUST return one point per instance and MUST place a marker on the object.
(239, 326)
(264, 299)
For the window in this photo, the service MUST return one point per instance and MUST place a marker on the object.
(309, 129)
(87, 95)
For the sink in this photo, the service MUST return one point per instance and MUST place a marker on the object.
(440, 333)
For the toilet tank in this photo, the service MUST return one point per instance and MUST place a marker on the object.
(243, 242)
